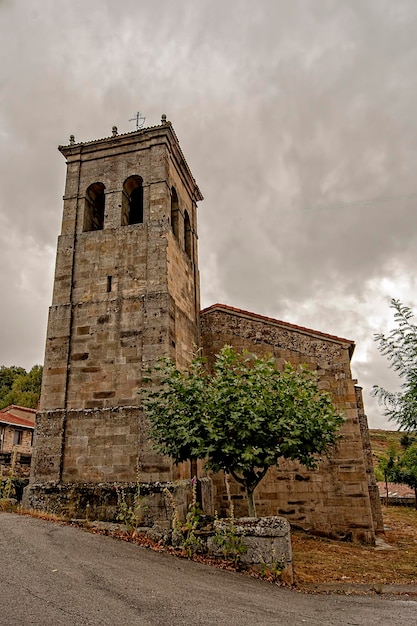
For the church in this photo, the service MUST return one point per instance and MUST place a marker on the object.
(127, 292)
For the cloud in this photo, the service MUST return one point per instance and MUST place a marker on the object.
(297, 120)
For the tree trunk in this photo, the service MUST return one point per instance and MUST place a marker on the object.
(251, 502)
(415, 497)
(229, 496)
(386, 488)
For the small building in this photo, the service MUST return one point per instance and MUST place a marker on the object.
(398, 494)
(17, 427)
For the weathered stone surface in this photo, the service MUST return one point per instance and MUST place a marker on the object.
(99, 501)
(272, 526)
(126, 292)
(267, 540)
(333, 500)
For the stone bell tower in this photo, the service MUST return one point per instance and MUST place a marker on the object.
(126, 292)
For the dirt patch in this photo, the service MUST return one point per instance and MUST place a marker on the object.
(319, 562)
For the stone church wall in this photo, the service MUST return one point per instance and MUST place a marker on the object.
(126, 292)
(333, 500)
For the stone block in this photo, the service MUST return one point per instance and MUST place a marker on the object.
(267, 540)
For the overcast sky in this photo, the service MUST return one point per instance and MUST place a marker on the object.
(298, 119)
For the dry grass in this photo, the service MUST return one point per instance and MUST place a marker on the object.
(322, 561)
(382, 440)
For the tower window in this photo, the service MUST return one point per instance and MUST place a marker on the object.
(174, 213)
(132, 202)
(94, 207)
(187, 234)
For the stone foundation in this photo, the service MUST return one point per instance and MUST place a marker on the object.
(99, 501)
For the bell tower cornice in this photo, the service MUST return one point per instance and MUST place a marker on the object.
(125, 143)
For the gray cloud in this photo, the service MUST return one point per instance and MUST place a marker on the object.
(297, 119)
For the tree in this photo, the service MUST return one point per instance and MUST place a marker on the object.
(400, 348)
(407, 440)
(242, 418)
(20, 387)
(405, 470)
(8, 376)
(386, 465)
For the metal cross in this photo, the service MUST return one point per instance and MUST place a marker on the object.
(139, 119)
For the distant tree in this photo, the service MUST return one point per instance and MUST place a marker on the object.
(7, 377)
(405, 470)
(242, 418)
(407, 440)
(20, 387)
(400, 348)
(386, 465)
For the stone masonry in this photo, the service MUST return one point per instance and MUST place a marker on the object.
(335, 500)
(126, 292)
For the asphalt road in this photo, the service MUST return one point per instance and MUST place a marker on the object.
(62, 576)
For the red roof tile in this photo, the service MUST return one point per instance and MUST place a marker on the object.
(395, 490)
(14, 420)
(8, 416)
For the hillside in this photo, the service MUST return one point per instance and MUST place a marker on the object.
(381, 440)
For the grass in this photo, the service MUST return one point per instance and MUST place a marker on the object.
(323, 561)
(381, 440)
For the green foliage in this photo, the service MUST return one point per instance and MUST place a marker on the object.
(242, 418)
(400, 468)
(386, 467)
(379, 476)
(400, 348)
(230, 543)
(387, 463)
(407, 440)
(7, 486)
(130, 515)
(20, 387)
(191, 542)
(186, 531)
(7, 377)
(405, 470)
(272, 571)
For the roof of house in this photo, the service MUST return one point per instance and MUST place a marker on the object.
(9, 409)
(9, 416)
(234, 311)
(15, 420)
(395, 490)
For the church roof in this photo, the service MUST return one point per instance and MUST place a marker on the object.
(225, 308)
